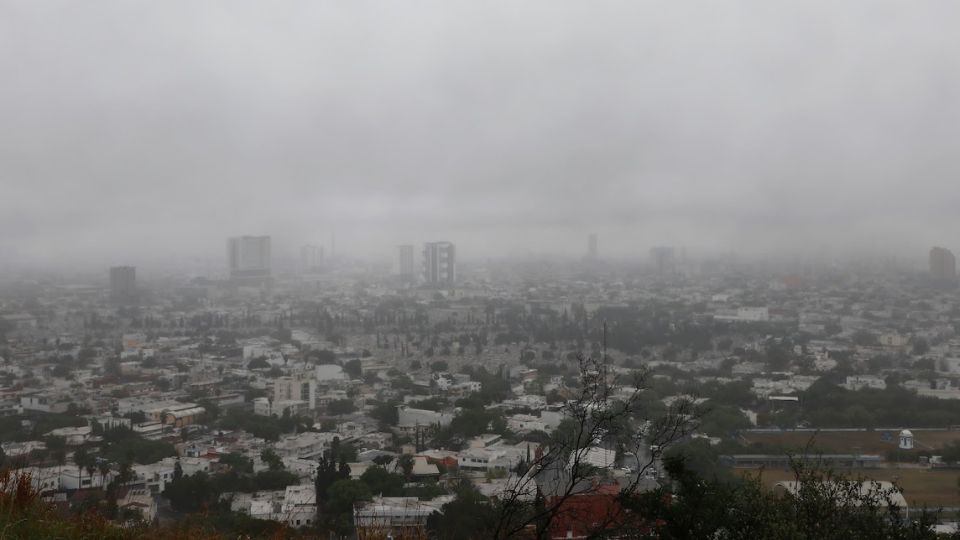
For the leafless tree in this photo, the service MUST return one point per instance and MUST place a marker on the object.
(608, 411)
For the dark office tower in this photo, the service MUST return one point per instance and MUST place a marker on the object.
(663, 259)
(943, 265)
(404, 262)
(439, 263)
(248, 258)
(311, 258)
(592, 252)
(123, 282)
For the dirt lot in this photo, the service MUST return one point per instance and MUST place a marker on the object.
(921, 487)
(844, 442)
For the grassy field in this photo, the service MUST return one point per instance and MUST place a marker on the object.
(844, 442)
(921, 487)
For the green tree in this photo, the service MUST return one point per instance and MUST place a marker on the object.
(82, 459)
(191, 493)
(237, 462)
(353, 368)
(383, 483)
(824, 506)
(468, 516)
(341, 406)
(272, 460)
(258, 363)
(341, 496)
(406, 462)
(385, 412)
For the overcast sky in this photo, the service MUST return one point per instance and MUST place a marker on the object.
(130, 129)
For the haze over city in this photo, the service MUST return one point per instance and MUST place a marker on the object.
(489, 270)
(156, 130)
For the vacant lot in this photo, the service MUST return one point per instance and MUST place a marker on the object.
(847, 442)
(921, 487)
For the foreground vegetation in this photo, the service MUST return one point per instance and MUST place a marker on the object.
(828, 506)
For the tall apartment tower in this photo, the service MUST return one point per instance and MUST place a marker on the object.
(404, 263)
(943, 265)
(592, 251)
(249, 259)
(311, 258)
(439, 263)
(663, 259)
(123, 282)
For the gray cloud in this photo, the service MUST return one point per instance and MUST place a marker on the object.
(138, 128)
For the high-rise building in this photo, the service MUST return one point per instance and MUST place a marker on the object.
(249, 259)
(404, 263)
(295, 388)
(663, 259)
(311, 258)
(592, 251)
(439, 263)
(123, 282)
(943, 265)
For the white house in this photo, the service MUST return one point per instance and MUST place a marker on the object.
(857, 382)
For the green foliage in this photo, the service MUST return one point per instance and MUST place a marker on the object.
(262, 426)
(24, 515)
(201, 492)
(736, 393)
(828, 405)
(346, 452)
(404, 383)
(341, 406)
(826, 506)
(385, 412)
(492, 387)
(723, 420)
(468, 516)
(432, 404)
(262, 481)
(865, 338)
(211, 408)
(233, 525)
(136, 417)
(342, 494)
(383, 483)
(141, 450)
(406, 463)
(272, 460)
(699, 458)
(191, 493)
(323, 356)
(424, 491)
(258, 363)
(12, 426)
(237, 462)
(469, 423)
(353, 368)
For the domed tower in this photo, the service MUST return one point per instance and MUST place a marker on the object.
(906, 440)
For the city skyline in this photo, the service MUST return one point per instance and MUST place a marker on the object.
(658, 145)
(479, 270)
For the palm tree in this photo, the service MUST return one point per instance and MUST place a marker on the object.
(80, 458)
(126, 473)
(91, 468)
(104, 468)
(60, 456)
